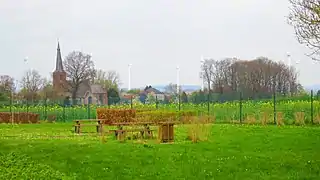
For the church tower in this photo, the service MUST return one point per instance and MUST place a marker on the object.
(59, 75)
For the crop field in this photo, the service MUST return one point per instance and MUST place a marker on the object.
(53, 151)
(223, 112)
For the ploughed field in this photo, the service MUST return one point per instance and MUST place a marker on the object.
(53, 151)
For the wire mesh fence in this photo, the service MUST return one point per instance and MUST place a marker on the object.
(239, 110)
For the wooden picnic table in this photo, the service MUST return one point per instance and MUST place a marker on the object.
(166, 129)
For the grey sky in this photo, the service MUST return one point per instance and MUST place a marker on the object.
(155, 36)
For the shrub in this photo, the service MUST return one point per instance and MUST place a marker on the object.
(250, 119)
(280, 119)
(19, 117)
(199, 129)
(299, 118)
(116, 115)
(160, 116)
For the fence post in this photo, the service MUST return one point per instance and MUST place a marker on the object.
(209, 100)
(157, 101)
(64, 112)
(27, 103)
(131, 101)
(311, 106)
(27, 108)
(88, 110)
(240, 104)
(11, 99)
(179, 101)
(274, 107)
(45, 107)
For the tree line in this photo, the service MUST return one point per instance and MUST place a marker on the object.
(79, 68)
(258, 78)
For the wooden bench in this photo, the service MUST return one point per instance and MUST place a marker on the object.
(143, 131)
(79, 124)
(148, 132)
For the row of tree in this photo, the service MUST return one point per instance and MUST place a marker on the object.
(79, 67)
(258, 78)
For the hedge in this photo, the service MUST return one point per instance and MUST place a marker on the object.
(19, 117)
(116, 115)
(161, 116)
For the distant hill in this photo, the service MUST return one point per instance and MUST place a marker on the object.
(314, 87)
(183, 87)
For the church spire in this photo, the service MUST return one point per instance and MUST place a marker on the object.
(59, 66)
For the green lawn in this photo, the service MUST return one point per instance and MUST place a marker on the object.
(52, 151)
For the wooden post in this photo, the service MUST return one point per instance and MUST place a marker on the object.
(166, 132)
(77, 127)
(99, 127)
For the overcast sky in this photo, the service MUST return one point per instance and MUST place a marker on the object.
(153, 35)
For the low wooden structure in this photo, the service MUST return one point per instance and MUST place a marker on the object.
(165, 130)
(142, 127)
(81, 123)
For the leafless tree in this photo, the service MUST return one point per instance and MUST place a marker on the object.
(305, 18)
(109, 79)
(7, 86)
(256, 78)
(47, 91)
(172, 89)
(79, 68)
(31, 83)
(207, 71)
(6, 83)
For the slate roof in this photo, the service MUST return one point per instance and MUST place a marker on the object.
(156, 91)
(59, 66)
(149, 90)
(97, 89)
(85, 86)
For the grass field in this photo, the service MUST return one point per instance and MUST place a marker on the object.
(52, 151)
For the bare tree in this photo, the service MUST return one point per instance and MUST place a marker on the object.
(47, 91)
(6, 87)
(305, 18)
(207, 71)
(255, 79)
(109, 79)
(6, 83)
(79, 68)
(31, 83)
(172, 89)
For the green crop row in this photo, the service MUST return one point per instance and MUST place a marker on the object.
(223, 112)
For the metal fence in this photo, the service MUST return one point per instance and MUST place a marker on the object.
(224, 111)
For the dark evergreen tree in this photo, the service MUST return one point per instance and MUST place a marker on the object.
(113, 96)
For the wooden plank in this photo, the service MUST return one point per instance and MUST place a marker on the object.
(89, 120)
(87, 125)
(130, 130)
(133, 123)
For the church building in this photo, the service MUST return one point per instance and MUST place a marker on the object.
(87, 92)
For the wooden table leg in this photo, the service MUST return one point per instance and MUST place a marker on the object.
(76, 128)
(99, 127)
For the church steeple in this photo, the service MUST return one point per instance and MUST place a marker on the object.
(59, 76)
(59, 66)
